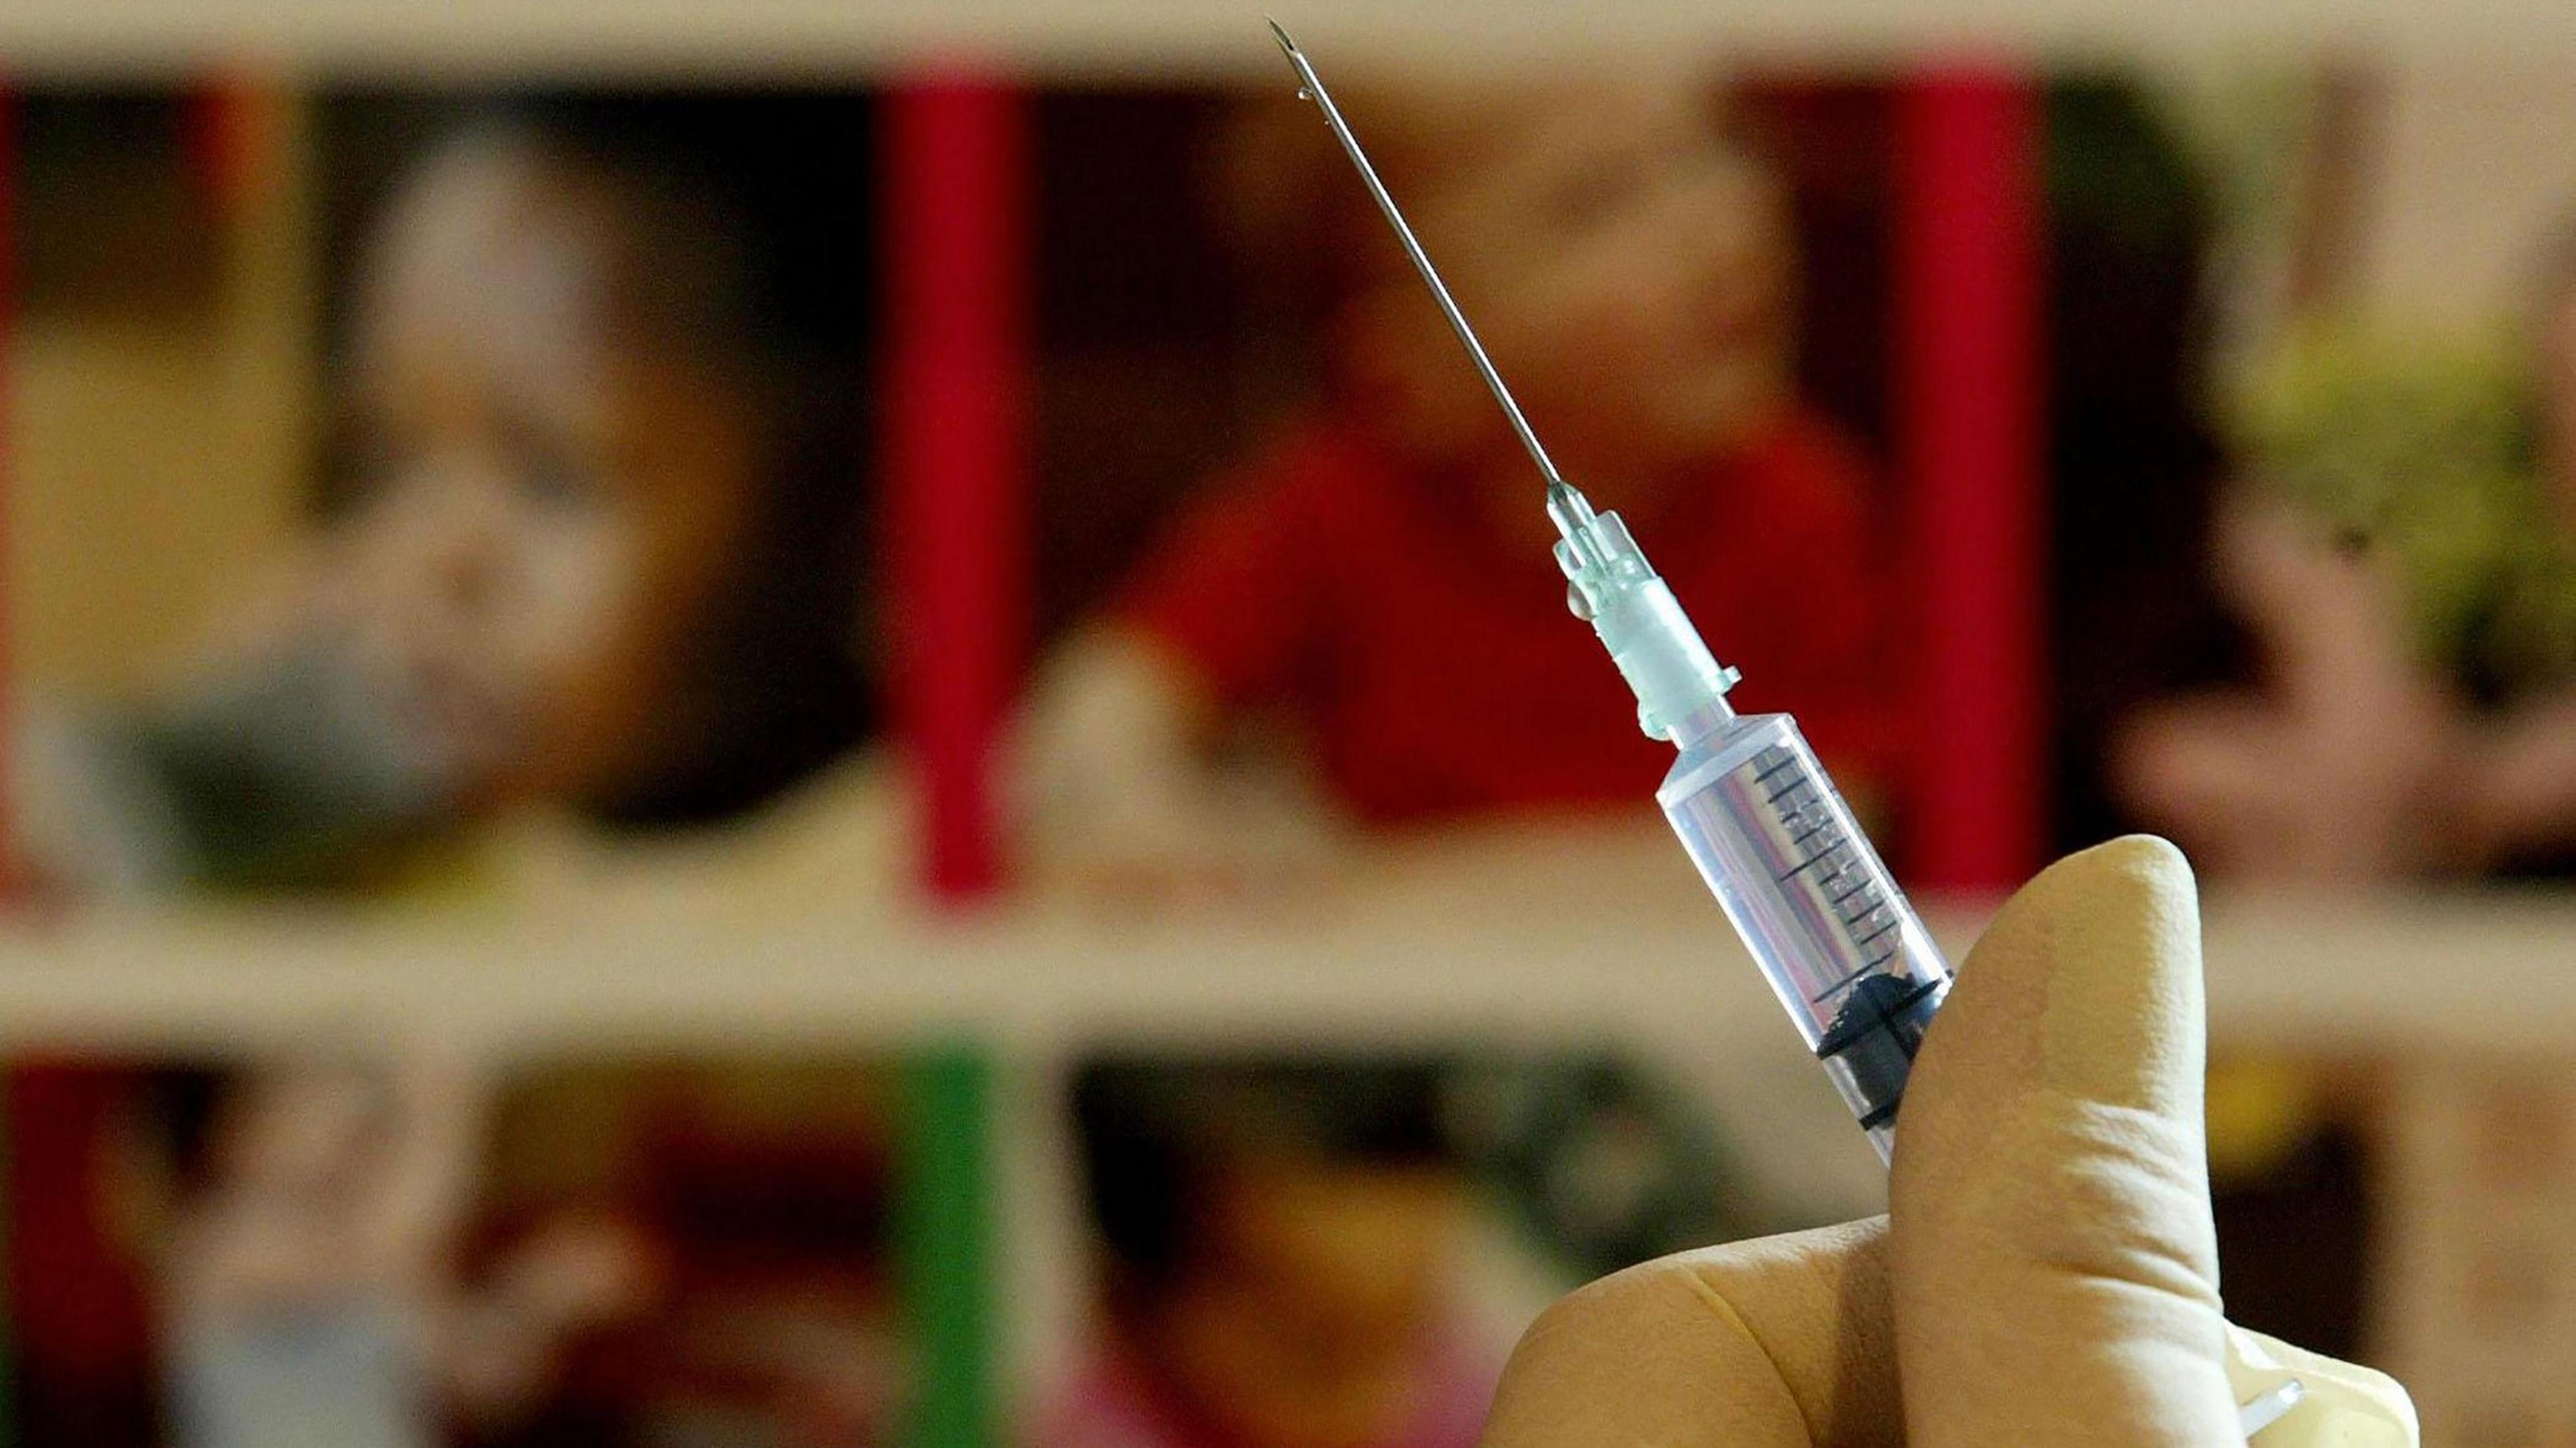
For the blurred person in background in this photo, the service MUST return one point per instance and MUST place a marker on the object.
(585, 551)
(1378, 576)
(310, 1281)
(592, 551)
(767, 1190)
(1278, 1259)
(2404, 554)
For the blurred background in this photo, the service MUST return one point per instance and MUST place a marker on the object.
(815, 727)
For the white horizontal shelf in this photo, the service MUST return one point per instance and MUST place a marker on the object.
(1575, 933)
(840, 37)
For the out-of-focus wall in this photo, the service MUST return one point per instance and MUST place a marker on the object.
(156, 460)
(2475, 168)
(1131, 36)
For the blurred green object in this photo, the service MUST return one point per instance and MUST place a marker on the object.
(2423, 449)
(946, 1242)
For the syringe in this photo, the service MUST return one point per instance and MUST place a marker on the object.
(1823, 918)
(1764, 823)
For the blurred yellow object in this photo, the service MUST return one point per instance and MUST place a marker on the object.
(158, 457)
(2260, 1110)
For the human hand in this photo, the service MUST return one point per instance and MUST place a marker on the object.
(2515, 791)
(2048, 1270)
(2328, 772)
(1123, 804)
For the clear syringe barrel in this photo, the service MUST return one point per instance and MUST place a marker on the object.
(1823, 918)
(1768, 830)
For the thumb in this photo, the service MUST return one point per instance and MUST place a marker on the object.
(2055, 1268)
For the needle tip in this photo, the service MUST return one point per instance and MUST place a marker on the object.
(1281, 32)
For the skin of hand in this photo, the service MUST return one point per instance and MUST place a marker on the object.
(2328, 773)
(2048, 1270)
(1123, 801)
(2517, 786)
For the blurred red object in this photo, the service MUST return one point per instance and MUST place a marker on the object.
(957, 475)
